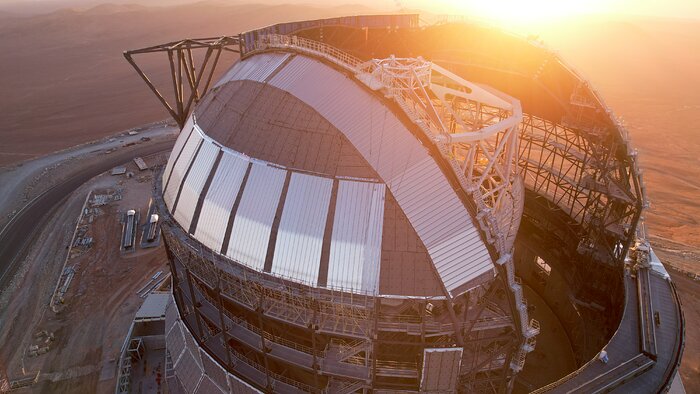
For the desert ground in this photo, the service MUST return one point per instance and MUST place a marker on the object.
(646, 70)
(64, 79)
(65, 82)
(88, 324)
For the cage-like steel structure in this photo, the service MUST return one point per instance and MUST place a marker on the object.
(357, 204)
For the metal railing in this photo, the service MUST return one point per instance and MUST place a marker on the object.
(274, 376)
(268, 336)
(304, 45)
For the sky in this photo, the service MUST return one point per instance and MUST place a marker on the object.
(507, 11)
(523, 10)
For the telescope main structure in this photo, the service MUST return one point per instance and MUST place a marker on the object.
(342, 219)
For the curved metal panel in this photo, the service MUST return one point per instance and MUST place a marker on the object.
(255, 69)
(253, 222)
(220, 199)
(300, 236)
(177, 148)
(356, 241)
(193, 184)
(420, 187)
(172, 186)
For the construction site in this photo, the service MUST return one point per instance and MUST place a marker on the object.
(363, 204)
(366, 204)
(70, 344)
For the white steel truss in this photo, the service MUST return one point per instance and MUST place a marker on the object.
(474, 127)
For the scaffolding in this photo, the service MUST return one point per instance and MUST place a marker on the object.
(581, 165)
(342, 332)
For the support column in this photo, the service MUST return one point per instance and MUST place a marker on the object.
(260, 311)
(194, 304)
(229, 359)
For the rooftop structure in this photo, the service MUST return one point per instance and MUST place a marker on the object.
(342, 214)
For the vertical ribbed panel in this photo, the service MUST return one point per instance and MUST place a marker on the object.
(300, 235)
(192, 188)
(220, 199)
(251, 228)
(357, 237)
(441, 370)
(419, 185)
(439, 219)
(256, 68)
(179, 143)
(180, 167)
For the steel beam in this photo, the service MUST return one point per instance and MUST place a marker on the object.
(181, 60)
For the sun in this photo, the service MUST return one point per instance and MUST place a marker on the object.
(524, 11)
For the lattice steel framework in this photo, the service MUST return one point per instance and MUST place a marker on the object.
(183, 68)
(581, 164)
(581, 174)
(475, 129)
(347, 338)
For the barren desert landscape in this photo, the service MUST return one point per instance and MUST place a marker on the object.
(64, 82)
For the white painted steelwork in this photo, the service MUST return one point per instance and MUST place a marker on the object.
(300, 235)
(307, 46)
(218, 203)
(481, 142)
(253, 223)
(356, 243)
(193, 184)
(180, 167)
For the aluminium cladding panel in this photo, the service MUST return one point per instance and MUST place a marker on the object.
(442, 223)
(300, 235)
(188, 371)
(207, 386)
(177, 148)
(238, 386)
(421, 189)
(356, 241)
(253, 222)
(372, 128)
(220, 199)
(214, 371)
(440, 370)
(178, 335)
(175, 342)
(193, 184)
(171, 187)
(256, 68)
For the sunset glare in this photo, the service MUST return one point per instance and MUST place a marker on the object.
(525, 11)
